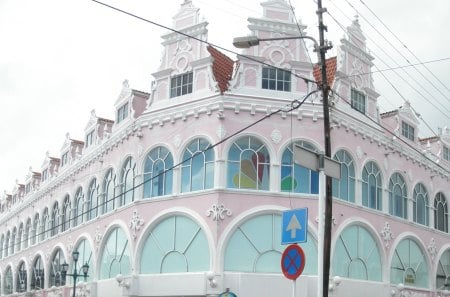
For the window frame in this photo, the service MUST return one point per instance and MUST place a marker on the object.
(420, 192)
(158, 155)
(396, 183)
(181, 84)
(276, 79)
(440, 199)
(358, 100)
(122, 112)
(408, 131)
(446, 153)
(89, 139)
(348, 168)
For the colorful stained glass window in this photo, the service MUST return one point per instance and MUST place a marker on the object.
(248, 164)
(296, 178)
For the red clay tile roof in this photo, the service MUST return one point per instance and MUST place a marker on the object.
(331, 65)
(222, 68)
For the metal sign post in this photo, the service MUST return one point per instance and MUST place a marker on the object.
(326, 167)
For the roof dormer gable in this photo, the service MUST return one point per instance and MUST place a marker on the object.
(97, 129)
(403, 122)
(49, 168)
(129, 105)
(71, 151)
(32, 181)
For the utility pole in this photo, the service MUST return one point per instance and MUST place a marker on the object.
(323, 48)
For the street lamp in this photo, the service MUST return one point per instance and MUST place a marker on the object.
(75, 274)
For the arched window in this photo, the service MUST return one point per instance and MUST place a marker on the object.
(21, 285)
(158, 173)
(84, 257)
(408, 265)
(356, 255)
(371, 186)
(93, 200)
(248, 164)
(12, 243)
(116, 255)
(440, 213)
(420, 204)
(56, 268)
(345, 187)
(296, 178)
(27, 234)
(177, 244)
(8, 282)
(398, 196)
(65, 220)
(45, 220)
(443, 272)
(255, 246)
(37, 276)
(7, 242)
(78, 204)
(55, 219)
(109, 191)
(19, 239)
(127, 180)
(197, 170)
(35, 230)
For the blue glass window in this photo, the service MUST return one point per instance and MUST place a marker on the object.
(56, 268)
(255, 246)
(420, 204)
(296, 178)
(398, 196)
(408, 265)
(78, 203)
(21, 278)
(26, 235)
(158, 173)
(109, 191)
(128, 181)
(55, 219)
(248, 164)
(84, 257)
(345, 187)
(35, 229)
(115, 258)
(197, 170)
(8, 285)
(440, 213)
(37, 276)
(443, 272)
(44, 228)
(356, 255)
(177, 244)
(65, 220)
(371, 186)
(93, 200)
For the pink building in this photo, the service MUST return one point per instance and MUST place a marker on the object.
(173, 199)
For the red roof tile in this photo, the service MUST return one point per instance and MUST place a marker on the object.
(331, 65)
(222, 68)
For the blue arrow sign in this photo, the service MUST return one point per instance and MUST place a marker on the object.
(295, 226)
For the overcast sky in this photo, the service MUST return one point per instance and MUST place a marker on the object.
(59, 59)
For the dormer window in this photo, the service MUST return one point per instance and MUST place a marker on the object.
(122, 113)
(27, 188)
(44, 175)
(181, 84)
(64, 159)
(89, 139)
(408, 131)
(276, 79)
(446, 153)
(358, 101)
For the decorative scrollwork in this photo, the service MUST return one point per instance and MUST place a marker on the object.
(387, 234)
(218, 211)
(135, 223)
